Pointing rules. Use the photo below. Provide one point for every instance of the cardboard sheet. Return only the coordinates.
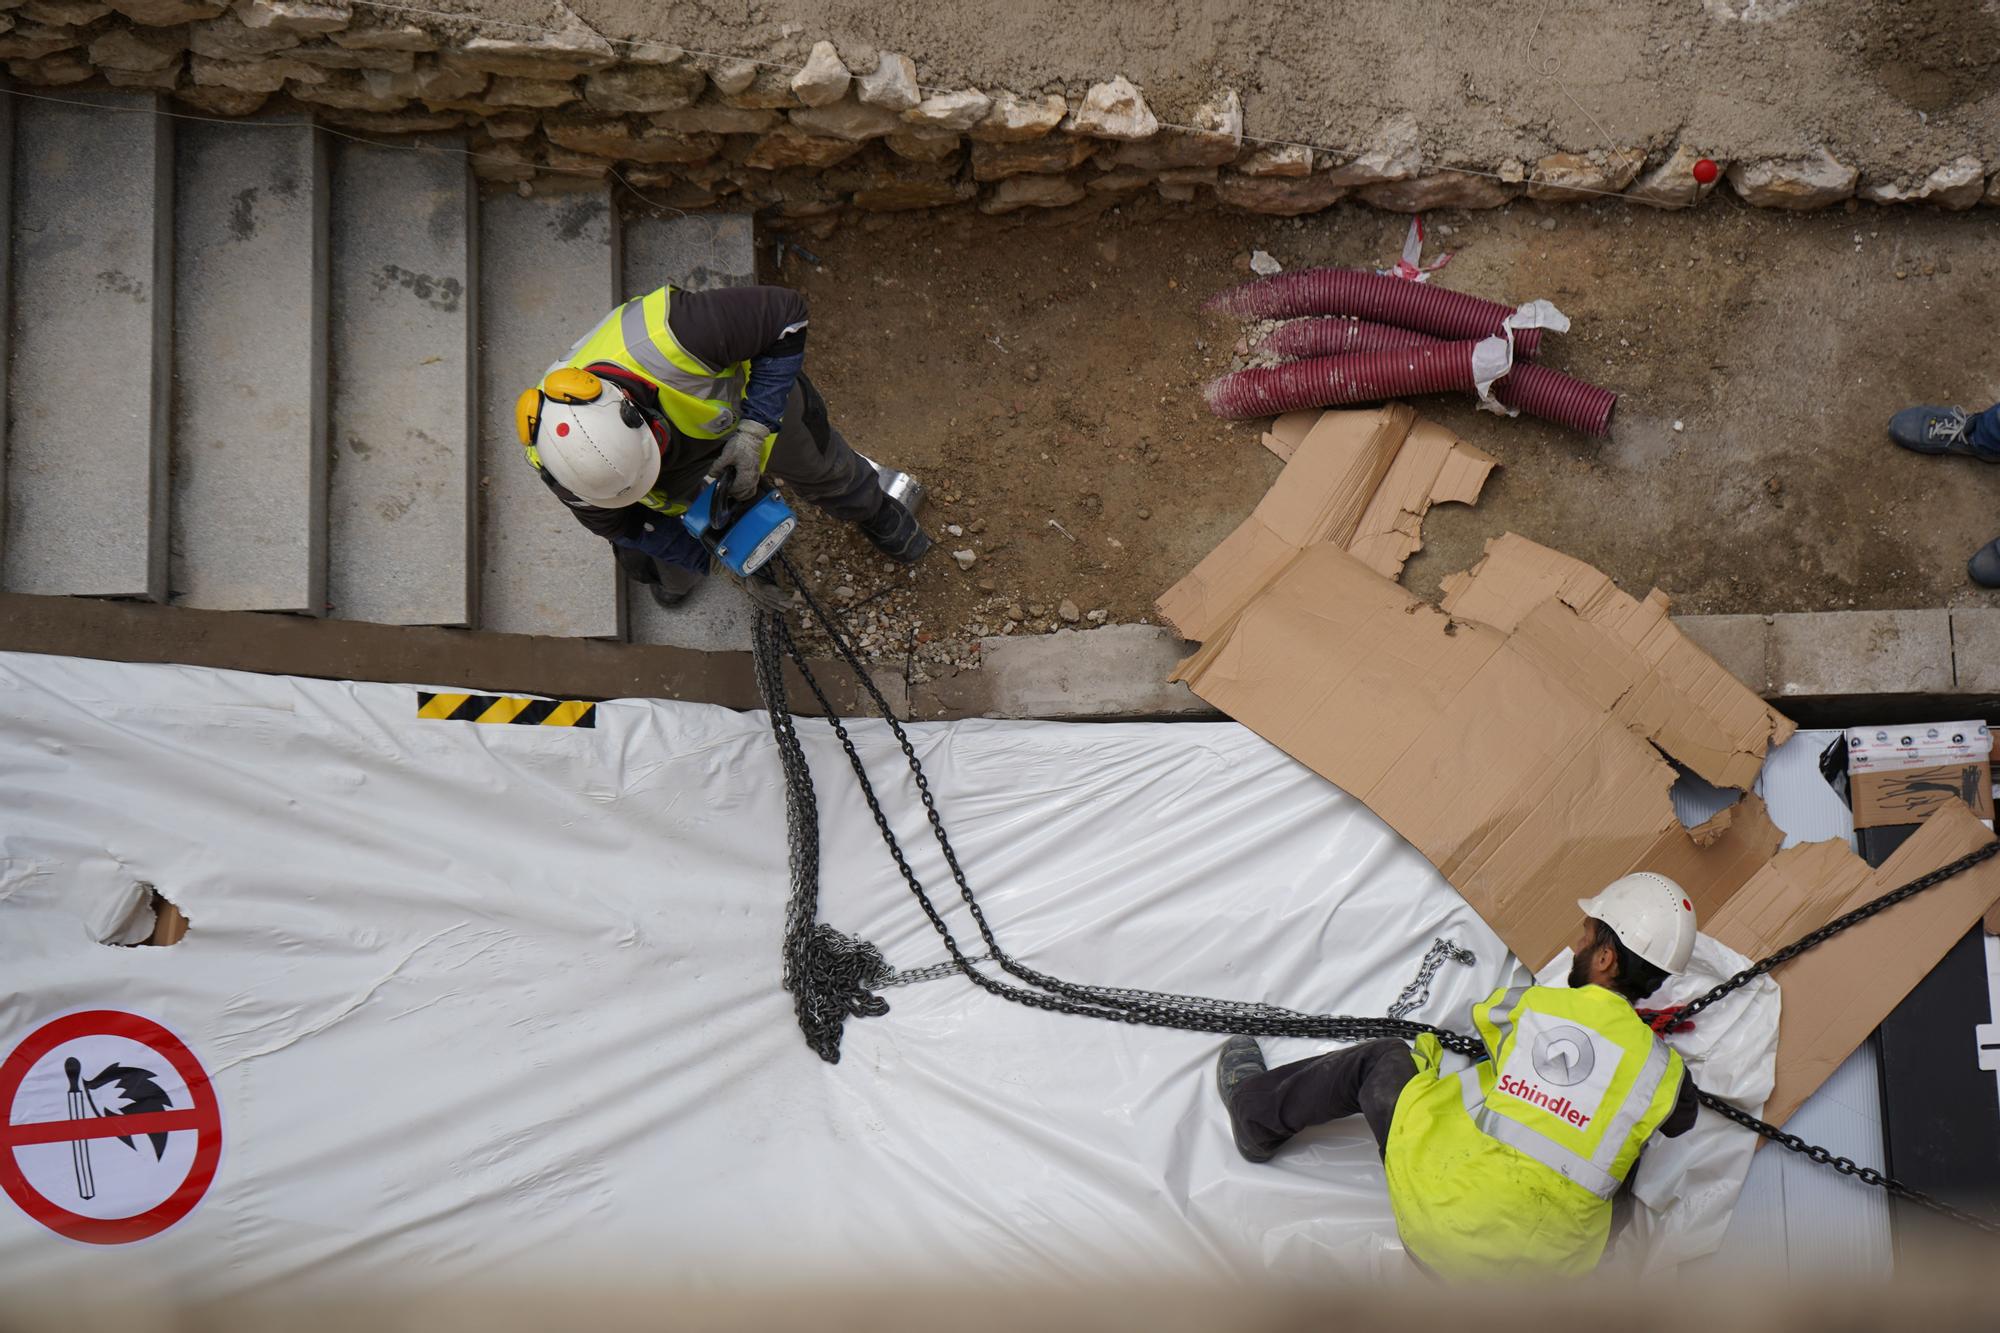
(1359, 481)
(1835, 995)
(1518, 734)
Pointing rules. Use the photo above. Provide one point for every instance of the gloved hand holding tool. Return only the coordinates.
(742, 459)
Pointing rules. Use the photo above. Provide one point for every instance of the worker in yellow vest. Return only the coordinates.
(675, 388)
(1509, 1166)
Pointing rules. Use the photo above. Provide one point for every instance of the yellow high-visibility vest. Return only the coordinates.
(1509, 1166)
(701, 400)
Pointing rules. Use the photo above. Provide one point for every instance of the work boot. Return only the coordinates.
(1240, 1059)
(1935, 430)
(672, 584)
(895, 533)
(1984, 567)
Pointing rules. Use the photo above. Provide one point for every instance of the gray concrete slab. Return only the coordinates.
(249, 438)
(1742, 644)
(1975, 650)
(548, 271)
(698, 252)
(1860, 653)
(93, 288)
(7, 105)
(404, 433)
(1119, 671)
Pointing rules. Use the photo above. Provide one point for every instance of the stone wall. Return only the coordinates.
(815, 143)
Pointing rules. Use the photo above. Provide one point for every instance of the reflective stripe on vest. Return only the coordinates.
(1524, 1140)
(699, 401)
(1518, 1119)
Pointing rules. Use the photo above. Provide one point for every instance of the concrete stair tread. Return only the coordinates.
(548, 272)
(249, 426)
(404, 434)
(92, 285)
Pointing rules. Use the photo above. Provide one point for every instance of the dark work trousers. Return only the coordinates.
(1272, 1106)
(813, 460)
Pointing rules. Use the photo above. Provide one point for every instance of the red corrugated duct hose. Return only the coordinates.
(1336, 337)
(1395, 301)
(1439, 367)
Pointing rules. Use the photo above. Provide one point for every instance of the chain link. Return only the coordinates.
(1418, 991)
(832, 975)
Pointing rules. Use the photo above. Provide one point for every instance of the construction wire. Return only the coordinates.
(1336, 150)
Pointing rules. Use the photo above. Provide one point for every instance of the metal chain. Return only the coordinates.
(1867, 1175)
(832, 975)
(1418, 991)
(1984, 853)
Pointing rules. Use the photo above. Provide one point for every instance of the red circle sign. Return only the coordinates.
(156, 1118)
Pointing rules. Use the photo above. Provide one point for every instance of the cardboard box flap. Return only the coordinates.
(1289, 431)
(1673, 692)
(1432, 467)
(1360, 480)
(1837, 993)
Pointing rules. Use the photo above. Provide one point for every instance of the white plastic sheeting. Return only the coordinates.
(483, 999)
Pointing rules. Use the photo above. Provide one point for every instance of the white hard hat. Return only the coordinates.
(1652, 915)
(601, 450)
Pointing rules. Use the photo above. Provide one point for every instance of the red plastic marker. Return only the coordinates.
(1705, 171)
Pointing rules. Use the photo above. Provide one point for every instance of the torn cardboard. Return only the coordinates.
(1838, 992)
(1506, 736)
(1361, 481)
(1517, 734)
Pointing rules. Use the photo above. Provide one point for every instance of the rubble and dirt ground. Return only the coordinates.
(1044, 380)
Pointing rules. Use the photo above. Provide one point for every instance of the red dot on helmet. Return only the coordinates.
(1686, 906)
(562, 428)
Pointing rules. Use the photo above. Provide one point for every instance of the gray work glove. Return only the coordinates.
(744, 452)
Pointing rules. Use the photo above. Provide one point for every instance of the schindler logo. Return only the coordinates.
(1564, 1055)
(1539, 1096)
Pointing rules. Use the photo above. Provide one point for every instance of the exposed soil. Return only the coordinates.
(1893, 86)
(1044, 380)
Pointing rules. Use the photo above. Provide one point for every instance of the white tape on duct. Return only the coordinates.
(483, 996)
(1493, 357)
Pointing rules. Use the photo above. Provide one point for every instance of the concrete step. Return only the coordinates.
(696, 252)
(7, 105)
(548, 270)
(405, 442)
(249, 357)
(92, 336)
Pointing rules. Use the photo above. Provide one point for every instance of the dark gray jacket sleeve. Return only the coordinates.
(731, 324)
(1681, 1119)
(765, 326)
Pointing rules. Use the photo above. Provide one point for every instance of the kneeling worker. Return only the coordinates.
(1510, 1166)
(676, 387)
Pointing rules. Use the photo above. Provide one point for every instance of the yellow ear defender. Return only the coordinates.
(567, 385)
(570, 385)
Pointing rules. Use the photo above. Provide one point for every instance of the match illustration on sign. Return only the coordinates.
(72, 1092)
(142, 1093)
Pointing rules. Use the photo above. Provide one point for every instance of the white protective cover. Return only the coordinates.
(486, 999)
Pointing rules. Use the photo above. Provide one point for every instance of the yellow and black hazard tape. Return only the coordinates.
(506, 708)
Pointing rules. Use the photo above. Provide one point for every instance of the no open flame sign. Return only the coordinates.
(112, 1132)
